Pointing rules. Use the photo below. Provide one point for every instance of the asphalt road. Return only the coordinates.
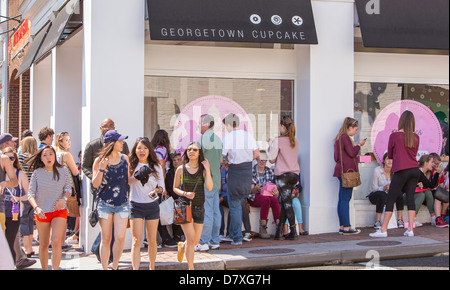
(439, 262)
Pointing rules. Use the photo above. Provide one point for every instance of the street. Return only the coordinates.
(438, 262)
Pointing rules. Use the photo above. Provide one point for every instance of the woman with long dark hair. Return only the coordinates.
(146, 181)
(402, 149)
(345, 153)
(190, 182)
(50, 186)
(161, 145)
(110, 176)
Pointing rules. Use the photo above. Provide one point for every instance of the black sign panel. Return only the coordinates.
(57, 29)
(272, 21)
(33, 50)
(421, 24)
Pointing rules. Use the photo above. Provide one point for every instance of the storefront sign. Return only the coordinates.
(427, 127)
(281, 21)
(20, 37)
(421, 24)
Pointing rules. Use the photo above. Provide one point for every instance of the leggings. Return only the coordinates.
(403, 181)
(286, 183)
(378, 198)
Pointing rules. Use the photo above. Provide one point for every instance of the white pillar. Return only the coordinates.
(325, 97)
(40, 96)
(113, 68)
(66, 91)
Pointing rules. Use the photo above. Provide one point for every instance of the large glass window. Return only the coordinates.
(371, 98)
(175, 104)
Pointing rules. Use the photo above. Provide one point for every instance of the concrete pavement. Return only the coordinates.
(311, 250)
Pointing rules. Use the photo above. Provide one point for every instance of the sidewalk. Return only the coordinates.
(311, 250)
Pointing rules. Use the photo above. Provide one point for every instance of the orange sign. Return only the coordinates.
(20, 37)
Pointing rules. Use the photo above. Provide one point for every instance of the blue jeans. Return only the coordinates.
(235, 222)
(345, 195)
(213, 218)
(298, 210)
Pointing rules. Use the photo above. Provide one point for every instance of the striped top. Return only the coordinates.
(188, 182)
(22, 158)
(47, 190)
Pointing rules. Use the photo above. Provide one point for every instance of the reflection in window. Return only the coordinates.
(264, 101)
(371, 98)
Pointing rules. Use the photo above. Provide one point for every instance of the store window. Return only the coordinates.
(175, 104)
(372, 98)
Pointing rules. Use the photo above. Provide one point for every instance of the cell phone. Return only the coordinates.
(153, 196)
(365, 139)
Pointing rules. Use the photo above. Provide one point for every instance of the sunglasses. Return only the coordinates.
(192, 150)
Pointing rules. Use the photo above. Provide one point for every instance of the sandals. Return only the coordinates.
(180, 255)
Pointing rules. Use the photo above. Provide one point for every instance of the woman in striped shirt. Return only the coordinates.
(50, 186)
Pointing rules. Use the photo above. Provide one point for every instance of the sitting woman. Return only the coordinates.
(425, 185)
(381, 181)
(263, 178)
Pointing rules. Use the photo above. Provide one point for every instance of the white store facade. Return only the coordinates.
(110, 68)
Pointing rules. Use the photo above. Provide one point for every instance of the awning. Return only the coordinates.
(30, 56)
(56, 31)
(417, 24)
(280, 21)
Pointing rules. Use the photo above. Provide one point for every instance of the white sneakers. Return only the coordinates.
(380, 234)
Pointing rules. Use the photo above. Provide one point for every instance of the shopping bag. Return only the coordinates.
(166, 212)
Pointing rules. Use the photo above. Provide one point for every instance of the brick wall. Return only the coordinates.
(18, 90)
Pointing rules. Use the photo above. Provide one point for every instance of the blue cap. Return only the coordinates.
(113, 135)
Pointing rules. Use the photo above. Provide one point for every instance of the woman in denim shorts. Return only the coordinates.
(146, 182)
(111, 178)
(190, 181)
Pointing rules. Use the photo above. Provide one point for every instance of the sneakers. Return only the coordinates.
(379, 234)
(247, 237)
(225, 239)
(441, 223)
(409, 233)
(400, 224)
(377, 225)
(349, 232)
(201, 248)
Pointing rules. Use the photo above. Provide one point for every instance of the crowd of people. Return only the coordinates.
(210, 175)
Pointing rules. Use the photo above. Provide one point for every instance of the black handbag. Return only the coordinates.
(441, 194)
(93, 216)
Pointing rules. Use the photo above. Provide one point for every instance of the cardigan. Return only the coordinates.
(349, 153)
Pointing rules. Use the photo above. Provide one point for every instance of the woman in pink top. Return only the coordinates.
(402, 149)
(283, 152)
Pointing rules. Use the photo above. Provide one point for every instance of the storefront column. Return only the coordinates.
(324, 89)
(66, 91)
(113, 79)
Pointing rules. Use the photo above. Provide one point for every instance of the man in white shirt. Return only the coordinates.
(239, 150)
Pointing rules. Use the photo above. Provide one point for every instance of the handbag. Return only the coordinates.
(166, 211)
(441, 194)
(351, 178)
(93, 216)
(182, 208)
(268, 189)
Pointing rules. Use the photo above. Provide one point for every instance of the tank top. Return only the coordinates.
(15, 191)
(59, 158)
(188, 182)
(114, 188)
(2, 196)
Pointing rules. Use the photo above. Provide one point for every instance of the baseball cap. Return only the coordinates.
(7, 137)
(113, 135)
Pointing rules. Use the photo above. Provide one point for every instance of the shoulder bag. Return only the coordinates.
(351, 178)
(182, 208)
(441, 194)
